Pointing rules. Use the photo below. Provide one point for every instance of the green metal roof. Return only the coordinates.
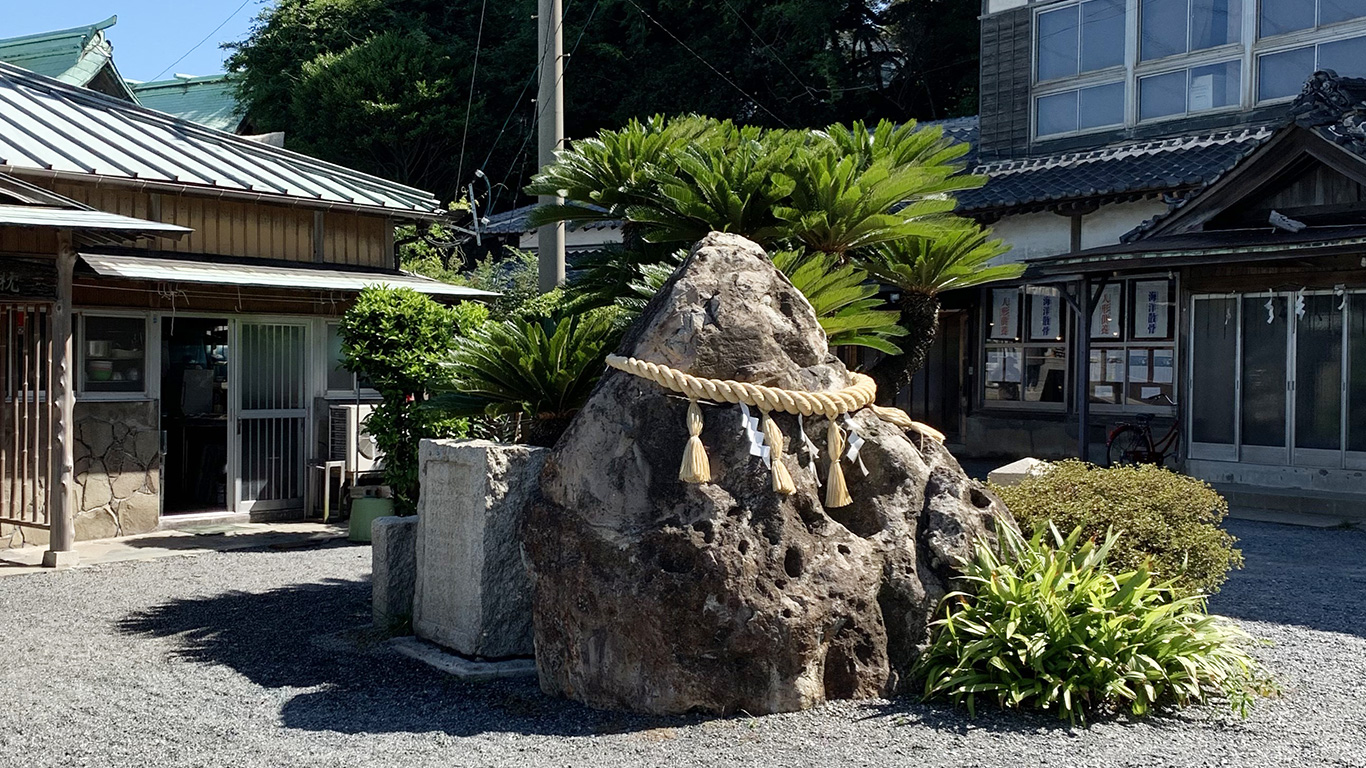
(79, 56)
(210, 100)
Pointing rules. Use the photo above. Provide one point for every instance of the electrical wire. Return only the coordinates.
(201, 42)
(708, 64)
(781, 61)
(469, 103)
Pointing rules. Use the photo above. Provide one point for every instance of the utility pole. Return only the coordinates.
(550, 107)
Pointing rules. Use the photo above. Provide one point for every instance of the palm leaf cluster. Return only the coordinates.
(1049, 627)
(879, 198)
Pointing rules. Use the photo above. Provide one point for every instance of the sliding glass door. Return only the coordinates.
(1279, 379)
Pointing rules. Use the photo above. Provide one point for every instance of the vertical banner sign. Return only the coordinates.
(1105, 320)
(1043, 315)
(1005, 313)
(1150, 312)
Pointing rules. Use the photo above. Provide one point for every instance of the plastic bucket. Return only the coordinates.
(364, 513)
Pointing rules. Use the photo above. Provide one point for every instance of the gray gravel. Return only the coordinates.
(245, 659)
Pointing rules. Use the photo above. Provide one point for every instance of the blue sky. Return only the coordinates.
(150, 34)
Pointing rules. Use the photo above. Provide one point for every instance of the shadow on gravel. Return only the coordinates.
(286, 638)
(1307, 577)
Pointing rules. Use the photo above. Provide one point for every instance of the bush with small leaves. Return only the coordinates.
(1170, 522)
(1047, 627)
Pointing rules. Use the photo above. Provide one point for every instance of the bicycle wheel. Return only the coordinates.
(1128, 446)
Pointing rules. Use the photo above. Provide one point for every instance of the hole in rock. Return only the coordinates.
(780, 584)
(787, 613)
(844, 549)
(676, 559)
(743, 546)
(705, 528)
(979, 497)
(860, 519)
(794, 562)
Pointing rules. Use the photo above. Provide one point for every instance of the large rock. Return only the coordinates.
(657, 596)
(473, 594)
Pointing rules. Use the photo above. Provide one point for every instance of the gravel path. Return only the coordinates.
(232, 660)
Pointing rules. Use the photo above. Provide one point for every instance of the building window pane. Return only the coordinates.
(1281, 16)
(1058, 42)
(1283, 74)
(1045, 374)
(1003, 374)
(1318, 374)
(115, 354)
(1333, 11)
(338, 378)
(1162, 95)
(1101, 105)
(1215, 86)
(1346, 57)
(1057, 113)
(1214, 360)
(1264, 370)
(1356, 374)
(1162, 28)
(1102, 34)
(1215, 22)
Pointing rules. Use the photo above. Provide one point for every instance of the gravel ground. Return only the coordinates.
(245, 659)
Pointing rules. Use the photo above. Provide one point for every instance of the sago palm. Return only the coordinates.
(923, 268)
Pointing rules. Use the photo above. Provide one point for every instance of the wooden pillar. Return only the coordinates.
(61, 486)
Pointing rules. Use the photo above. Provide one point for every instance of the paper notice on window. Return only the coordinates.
(1138, 366)
(1149, 393)
(1163, 372)
(1097, 366)
(1012, 365)
(1202, 93)
(1114, 365)
(1104, 392)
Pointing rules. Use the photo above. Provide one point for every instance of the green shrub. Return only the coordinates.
(1049, 628)
(1169, 522)
(399, 340)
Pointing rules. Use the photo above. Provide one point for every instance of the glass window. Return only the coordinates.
(1215, 22)
(1026, 354)
(1346, 57)
(1333, 11)
(1133, 358)
(1214, 360)
(1057, 113)
(338, 378)
(1102, 34)
(1281, 16)
(1080, 38)
(1283, 74)
(1058, 43)
(1101, 105)
(114, 354)
(1266, 328)
(1318, 374)
(1162, 95)
(1356, 373)
(1169, 27)
(1162, 28)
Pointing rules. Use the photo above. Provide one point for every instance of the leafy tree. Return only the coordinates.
(400, 340)
(394, 76)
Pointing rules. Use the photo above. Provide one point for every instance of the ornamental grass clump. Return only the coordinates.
(1048, 628)
(1170, 523)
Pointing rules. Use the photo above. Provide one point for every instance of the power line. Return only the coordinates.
(201, 42)
(783, 62)
(708, 64)
(469, 104)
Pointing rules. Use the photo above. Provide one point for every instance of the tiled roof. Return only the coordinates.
(514, 222)
(1131, 168)
(48, 128)
(74, 56)
(209, 100)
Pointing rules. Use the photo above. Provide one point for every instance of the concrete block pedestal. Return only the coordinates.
(473, 594)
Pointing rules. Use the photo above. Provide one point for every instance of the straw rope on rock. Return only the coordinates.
(831, 405)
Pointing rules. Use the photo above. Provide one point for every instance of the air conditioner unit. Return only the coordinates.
(348, 441)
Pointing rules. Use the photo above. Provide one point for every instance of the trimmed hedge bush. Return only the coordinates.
(1169, 522)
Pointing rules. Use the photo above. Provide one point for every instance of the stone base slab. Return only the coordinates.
(463, 669)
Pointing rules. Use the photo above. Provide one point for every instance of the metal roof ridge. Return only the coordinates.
(56, 34)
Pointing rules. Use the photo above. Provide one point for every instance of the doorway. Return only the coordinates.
(195, 414)
(935, 395)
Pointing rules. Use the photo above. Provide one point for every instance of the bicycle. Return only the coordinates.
(1132, 443)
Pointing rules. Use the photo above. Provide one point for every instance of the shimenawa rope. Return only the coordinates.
(697, 469)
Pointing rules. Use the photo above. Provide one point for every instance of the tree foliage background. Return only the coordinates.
(384, 85)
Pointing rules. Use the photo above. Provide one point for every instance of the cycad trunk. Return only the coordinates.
(920, 316)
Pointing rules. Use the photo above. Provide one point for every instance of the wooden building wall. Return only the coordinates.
(248, 230)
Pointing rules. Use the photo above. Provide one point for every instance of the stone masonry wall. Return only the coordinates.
(118, 468)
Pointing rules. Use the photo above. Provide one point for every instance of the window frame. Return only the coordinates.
(1187, 67)
(1127, 341)
(1305, 38)
(151, 357)
(1189, 53)
(356, 392)
(1023, 344)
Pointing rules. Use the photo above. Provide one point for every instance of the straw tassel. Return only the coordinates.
(782, 479)
(836, 493)
(696, 468)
